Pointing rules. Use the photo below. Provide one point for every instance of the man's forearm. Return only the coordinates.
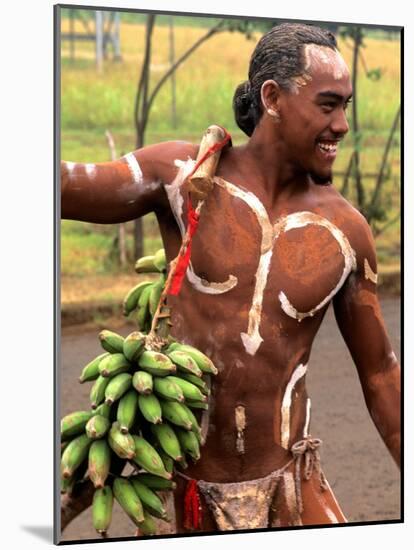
(384, 405)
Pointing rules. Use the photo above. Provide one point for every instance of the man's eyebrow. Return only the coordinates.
(334, 95)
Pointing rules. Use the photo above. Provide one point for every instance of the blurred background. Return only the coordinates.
(199, 61)
(130, 79)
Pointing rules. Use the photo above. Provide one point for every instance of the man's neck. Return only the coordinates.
(266, 160)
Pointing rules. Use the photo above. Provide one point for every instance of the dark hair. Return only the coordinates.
(278, 56)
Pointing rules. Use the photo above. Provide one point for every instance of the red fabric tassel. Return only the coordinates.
(192, 506)
(193, 219)
(184, 260)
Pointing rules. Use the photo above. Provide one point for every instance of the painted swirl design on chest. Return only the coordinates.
(269, 234)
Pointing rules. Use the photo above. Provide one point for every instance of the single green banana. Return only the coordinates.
(142, 382)
(156, 363)
(127, 409)
(189, 390)
(145, 265)
(127, 497)
(141, 318)
(148, 527)
(184, 362)
(145, 295)
(203, 362)
(99, 462)
(131, 299)
(114, 364)
(150, 408)
(122, 444)
(97, 394)
(74, 454)
(103, 410)
(134, 345)
(199, 382)
(117, 386)
(167, 460)
(74, 424)
(102, 509)
(196, 427)
(111, 341)
(168, 389)
(154, 298)
(67, 484)
(189, 443)
(91, 370)
(97, 426)
(150, 501)
(168, 440)
(160, 260)
(148, 458)
(156, 483)
(196, 404)
(176, 414)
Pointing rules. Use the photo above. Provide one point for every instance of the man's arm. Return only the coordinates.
(121, 190)
(359, 318)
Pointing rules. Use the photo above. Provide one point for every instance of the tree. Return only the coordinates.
(144, 99)
(370, 204)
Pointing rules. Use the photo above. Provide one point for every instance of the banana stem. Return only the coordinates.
(163, 312)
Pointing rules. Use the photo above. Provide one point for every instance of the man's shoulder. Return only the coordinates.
(165, 158)
(169, 151)
(353, 225)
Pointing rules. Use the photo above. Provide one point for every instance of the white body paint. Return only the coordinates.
(301, 219)
(177, 206)
(331, 515)
(70, 166)
(134, 168)
(331, 61)
(297, 374)
(252, 338)
(369, 273)
(307, 421)
(90, 170)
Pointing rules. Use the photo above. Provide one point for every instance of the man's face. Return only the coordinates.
(313, 118)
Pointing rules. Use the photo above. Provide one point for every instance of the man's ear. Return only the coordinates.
(270, 93)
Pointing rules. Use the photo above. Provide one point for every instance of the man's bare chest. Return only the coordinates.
(290, 262)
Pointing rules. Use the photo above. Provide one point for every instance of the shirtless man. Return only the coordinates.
(276, 243)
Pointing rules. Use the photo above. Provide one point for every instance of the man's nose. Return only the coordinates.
(339, 124)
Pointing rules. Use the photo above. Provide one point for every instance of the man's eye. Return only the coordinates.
(327, 107)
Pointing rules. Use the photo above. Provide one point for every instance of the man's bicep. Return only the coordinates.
(359, 317)
(117, 191)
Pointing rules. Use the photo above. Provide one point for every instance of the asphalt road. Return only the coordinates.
(360, 470)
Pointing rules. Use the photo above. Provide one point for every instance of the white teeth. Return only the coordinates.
(328, 147)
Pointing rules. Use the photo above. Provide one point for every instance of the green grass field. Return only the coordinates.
(92, 103)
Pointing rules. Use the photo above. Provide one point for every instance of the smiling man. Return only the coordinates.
(276, 243)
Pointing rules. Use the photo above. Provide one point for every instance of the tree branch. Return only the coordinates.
(380, 179)
(344, 190)
(143, 78)
(211, 32)
(378, 232)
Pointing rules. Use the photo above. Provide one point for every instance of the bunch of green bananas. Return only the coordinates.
(143, 411)
(142, 300)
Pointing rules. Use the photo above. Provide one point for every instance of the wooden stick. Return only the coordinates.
(201, 182)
